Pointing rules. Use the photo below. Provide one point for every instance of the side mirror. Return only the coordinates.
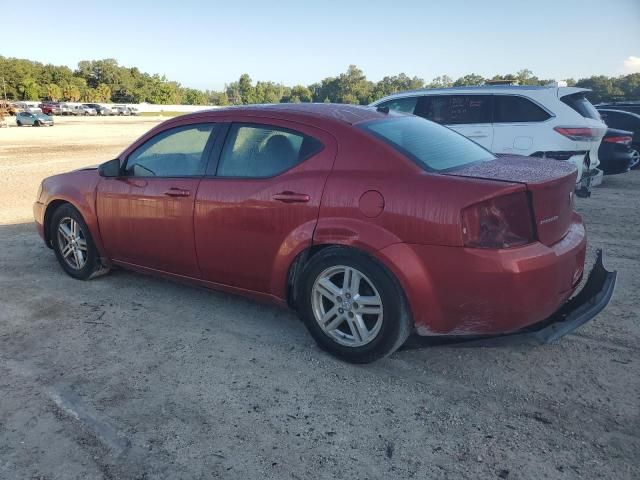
(110, 168)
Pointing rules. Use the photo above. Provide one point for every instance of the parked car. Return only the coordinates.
(50, 108)
(33, 119)
(29, 107)
(370, 224)
(66, 109)
(624, 121)
(542, 121)
(100, 110)
(615, 152)
(121, 110)
(134, 111)
(633, 107)
(83, 110)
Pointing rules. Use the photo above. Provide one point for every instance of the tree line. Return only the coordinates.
(105, 81)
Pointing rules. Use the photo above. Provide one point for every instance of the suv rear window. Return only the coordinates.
(432, 146)
(514, 109)
(580, 104)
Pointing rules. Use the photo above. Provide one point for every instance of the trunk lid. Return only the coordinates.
(550, 185)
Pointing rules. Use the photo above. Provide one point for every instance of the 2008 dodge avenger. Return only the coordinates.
(371, 224)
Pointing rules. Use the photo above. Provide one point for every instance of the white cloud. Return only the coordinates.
(632, 64)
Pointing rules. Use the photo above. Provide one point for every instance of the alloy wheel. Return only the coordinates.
(73, 243)
(635, 157)
(347, 306)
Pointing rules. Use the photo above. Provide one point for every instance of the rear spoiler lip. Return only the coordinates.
(564, 91)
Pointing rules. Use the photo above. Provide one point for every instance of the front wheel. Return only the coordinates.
(38, 123)
(353, 307)
(73, 245)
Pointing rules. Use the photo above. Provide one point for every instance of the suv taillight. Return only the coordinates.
(582, 134)
(624, 139)
(500, 222)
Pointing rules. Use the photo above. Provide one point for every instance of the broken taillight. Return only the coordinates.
(500, 222)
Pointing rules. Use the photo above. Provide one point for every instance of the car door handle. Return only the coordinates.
(291, 197)
(177, 192)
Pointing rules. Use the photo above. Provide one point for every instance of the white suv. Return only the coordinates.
(553, 121)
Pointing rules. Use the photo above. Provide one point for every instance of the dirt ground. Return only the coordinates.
(132, 377)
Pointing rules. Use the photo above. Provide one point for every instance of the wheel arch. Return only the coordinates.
(48, 215)
(301, 260)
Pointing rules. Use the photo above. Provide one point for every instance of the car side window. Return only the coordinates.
(177, 152)
(455, 109)
(260, 151)
(514, 109)
(406, 104)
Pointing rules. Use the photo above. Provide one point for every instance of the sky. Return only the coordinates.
(206, 44)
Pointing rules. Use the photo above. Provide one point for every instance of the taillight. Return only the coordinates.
(624, 139)
(500, 222)
(583, 134)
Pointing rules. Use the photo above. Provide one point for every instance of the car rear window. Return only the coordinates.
(515, 109)
(432, 146)
(579, 103)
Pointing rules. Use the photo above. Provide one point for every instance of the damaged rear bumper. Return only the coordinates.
(589, 302)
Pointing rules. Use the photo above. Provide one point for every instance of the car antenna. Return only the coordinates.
(382, 109)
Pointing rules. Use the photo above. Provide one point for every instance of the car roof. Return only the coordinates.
(485, 89)
(633, 114)
(339, 113)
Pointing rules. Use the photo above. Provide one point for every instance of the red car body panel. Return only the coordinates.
(131, 211)
(236, 235)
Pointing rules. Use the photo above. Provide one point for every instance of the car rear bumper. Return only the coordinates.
(589, 302)
(466, 291)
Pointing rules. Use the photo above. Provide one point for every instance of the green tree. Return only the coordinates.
(54, 92)
(603, 88)
(29, 89)
(443, 81)
(470, 80)
(299, 94)
(103, 93)
(393, 84)
(245, 89)
(191, 96)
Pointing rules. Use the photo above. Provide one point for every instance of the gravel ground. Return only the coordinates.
(133, 377)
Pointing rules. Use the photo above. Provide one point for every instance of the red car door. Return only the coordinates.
(146, 215)
(261, 207)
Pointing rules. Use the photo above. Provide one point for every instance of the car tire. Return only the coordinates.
(78, 262)
(635, 154)
(353, 331)
(19, 123)
(37, 123)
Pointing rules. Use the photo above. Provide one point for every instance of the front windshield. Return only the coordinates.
(432, 146)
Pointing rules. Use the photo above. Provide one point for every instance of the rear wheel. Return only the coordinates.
(635, 156)
(352, 306)
(19, 123)
(38, 123)
(72, 243)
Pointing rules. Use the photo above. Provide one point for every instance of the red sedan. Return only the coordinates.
(371, 224)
